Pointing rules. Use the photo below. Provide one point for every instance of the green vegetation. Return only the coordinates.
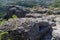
(14, 16)
(56, 4)
(26, 3)
(2, 10)
(1, 22)
(2, 14)
(3, 34)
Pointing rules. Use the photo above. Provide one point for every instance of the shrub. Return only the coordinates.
(14, 16)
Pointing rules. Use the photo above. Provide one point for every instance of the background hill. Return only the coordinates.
(56, 3)
(27, 3)
(4, 2)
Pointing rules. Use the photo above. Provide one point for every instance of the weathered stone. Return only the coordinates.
(15, 10)
(26, 29)
(56, 11)
(34, 15)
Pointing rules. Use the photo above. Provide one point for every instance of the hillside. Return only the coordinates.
(56, 4)
(29, 20)
(4, 2)
(26, 3)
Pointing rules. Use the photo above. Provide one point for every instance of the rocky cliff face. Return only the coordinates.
(4, 3)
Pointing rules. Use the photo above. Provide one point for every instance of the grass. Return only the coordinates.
(13, 16)
(2, 33)
(1, 22)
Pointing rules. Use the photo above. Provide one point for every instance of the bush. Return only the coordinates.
(3, 35)
(56, 4)
(1, 22)
(14, 16)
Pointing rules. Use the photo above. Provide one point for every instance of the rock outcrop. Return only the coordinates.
(16, 10)
(26, 28)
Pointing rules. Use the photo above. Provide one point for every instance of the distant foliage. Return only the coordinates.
(2, 10)
(56, 3)
(26, 3)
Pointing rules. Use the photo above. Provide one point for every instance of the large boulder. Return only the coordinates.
(15, 10)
